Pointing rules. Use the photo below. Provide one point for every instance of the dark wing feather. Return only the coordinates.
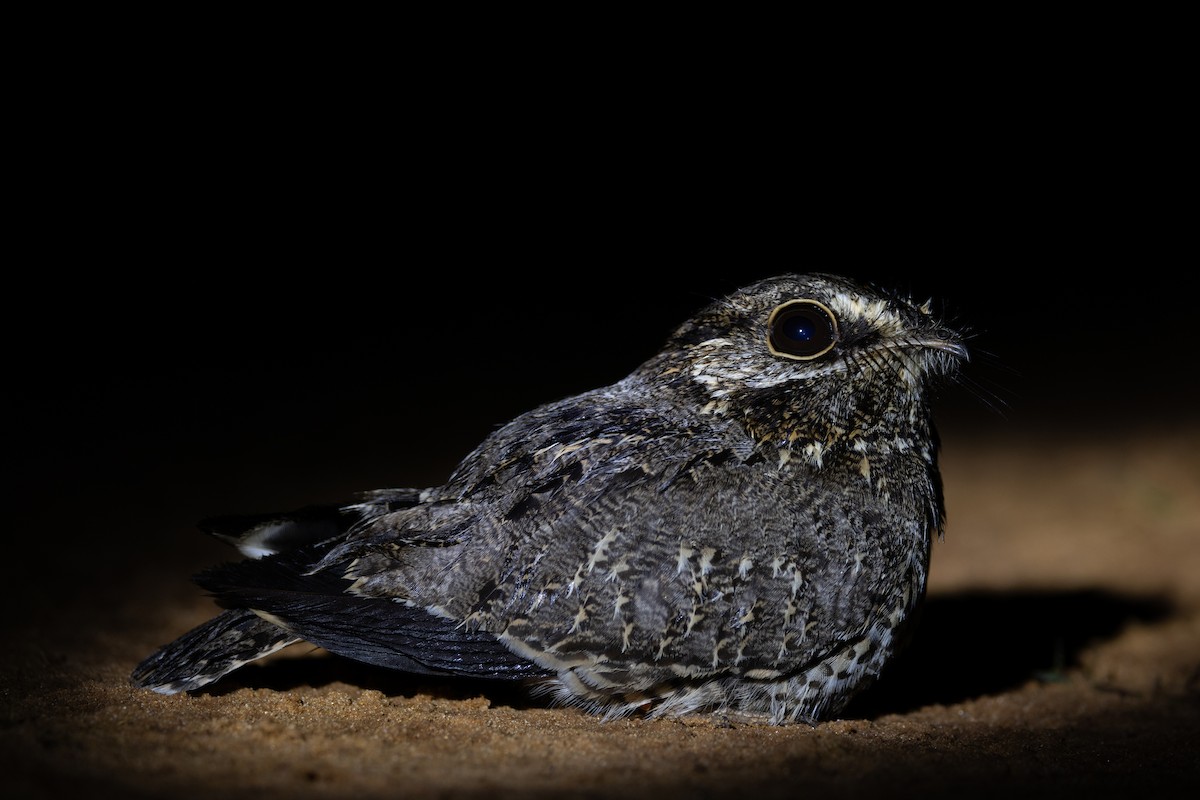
(314, 607)
(208, 651)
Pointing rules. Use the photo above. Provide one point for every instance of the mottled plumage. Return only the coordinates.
(742, 525)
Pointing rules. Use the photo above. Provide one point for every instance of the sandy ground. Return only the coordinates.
(1059, 656)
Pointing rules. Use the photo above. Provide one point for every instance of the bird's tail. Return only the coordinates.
(205, 653)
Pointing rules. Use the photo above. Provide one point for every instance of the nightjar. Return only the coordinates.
(742, 525)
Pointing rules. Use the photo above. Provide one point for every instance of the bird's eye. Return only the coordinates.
(801, 329)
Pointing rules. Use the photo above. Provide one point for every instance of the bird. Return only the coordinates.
(742, 527)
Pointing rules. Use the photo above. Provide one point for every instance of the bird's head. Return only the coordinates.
(813, 360)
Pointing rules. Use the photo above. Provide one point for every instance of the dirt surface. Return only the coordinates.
(1059, 655)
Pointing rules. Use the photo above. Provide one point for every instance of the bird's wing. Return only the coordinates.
(209, 651)
(627, 535)
(316, 607)
(389, 592)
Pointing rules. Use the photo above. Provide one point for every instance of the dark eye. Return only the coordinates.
(802, 329)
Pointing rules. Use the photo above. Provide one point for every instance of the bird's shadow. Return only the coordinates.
(972, 644)
(966, 645)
